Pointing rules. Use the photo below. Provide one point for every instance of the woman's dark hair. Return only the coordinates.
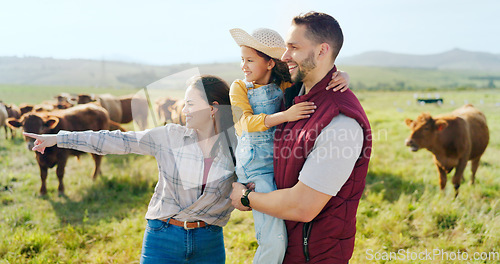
(279, 72)
(216, 90)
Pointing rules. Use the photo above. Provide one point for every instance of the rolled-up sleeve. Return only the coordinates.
(332, 159)
(147, 142)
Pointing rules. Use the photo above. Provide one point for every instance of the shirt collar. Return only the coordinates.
(302, 90)
(190, 133)
(316, 88)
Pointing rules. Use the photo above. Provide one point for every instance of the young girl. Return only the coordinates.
(256, 103)
(191, 202)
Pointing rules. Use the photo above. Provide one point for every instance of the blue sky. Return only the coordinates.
(170, 32)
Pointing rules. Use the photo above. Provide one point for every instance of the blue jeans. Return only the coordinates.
(166, 243)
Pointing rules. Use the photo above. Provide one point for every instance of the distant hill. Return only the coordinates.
(370, 70)
(455, 59)
(94, 73)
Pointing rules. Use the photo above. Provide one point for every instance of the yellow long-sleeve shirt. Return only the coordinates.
(244, 119)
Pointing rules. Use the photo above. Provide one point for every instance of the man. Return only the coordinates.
(320, 162)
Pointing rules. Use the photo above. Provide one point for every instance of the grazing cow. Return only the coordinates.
(134, 108)
(14, 112)
(453, 138)
(3, 117)
(163, 110)
(107, 101)
(177, 116)
(78, 118)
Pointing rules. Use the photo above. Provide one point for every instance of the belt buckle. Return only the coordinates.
(189, 228)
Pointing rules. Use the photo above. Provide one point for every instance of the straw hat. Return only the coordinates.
(264, 40)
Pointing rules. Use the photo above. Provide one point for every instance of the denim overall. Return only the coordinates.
(254, 163)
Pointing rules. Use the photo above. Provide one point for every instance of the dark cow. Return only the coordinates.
(453, 138)
(78, 118)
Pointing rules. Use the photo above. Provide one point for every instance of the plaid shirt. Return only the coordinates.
(178, 192)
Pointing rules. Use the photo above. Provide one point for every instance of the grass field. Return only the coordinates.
(402, 209)
(399, 79)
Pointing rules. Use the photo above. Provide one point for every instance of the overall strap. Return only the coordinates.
(249, 85)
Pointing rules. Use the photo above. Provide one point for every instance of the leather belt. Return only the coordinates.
(187, 225)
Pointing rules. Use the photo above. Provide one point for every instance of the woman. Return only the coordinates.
(191, 202)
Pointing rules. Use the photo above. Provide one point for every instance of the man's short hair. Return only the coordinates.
(322, 28)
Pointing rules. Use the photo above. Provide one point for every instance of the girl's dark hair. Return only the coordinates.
(279, 72)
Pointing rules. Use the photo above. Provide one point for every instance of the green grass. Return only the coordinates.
(17, 94)
(398, 79)
(402, 207)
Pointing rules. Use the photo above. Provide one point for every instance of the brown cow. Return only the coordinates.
(78, 118)
(453, 138)
(14, 112)
(163, 110)
(107, 101)
(134, 108)
(177, 116)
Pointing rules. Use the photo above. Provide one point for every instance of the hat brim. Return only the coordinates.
(242, 38)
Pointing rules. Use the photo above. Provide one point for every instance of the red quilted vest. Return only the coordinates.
(331, 238)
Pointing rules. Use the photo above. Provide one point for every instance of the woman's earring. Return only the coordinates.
(215, 124)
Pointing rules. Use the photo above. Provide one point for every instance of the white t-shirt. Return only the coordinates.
(335, 151)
